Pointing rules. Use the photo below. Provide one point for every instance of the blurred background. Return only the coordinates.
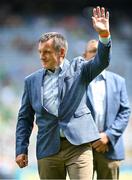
(21, 24)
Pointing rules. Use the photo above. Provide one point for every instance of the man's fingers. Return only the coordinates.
(102, 148)
(107, 15)
(94, 12)
(103, 12)
(22, 160)
(93, 20)
(98, 12)
(96, 144)
(22, 163)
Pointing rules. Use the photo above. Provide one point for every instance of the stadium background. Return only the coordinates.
(21, 24)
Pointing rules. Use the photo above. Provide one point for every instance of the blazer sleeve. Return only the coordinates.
(94, 67)
(119, 124)
(24, 123)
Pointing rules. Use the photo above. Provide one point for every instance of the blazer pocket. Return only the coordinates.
(81, 112)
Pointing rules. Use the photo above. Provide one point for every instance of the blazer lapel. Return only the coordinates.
(90, 103)
(39, 85)
(109, 94)
(61, 79)
(89, 93)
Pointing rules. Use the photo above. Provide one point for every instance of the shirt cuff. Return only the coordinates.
(105, 40)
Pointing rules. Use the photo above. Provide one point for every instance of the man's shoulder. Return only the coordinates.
(77, 60)
(114, 76)
(77, 63)
(34, 74)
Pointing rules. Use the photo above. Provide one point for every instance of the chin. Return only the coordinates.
(44, 66)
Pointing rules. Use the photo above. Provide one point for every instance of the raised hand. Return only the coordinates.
(101, 20)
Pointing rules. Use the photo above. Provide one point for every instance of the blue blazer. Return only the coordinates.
(117, 114)
(74, 117)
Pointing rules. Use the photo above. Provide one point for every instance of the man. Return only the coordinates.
(56, 96)
(108, 100)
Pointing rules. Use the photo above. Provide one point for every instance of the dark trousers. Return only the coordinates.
(77, 161)
(105, 168)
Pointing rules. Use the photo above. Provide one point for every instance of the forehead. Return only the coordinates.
(92, 45)
(46, 44)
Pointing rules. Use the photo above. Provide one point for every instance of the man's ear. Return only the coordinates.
(62, 52)
(84, 55)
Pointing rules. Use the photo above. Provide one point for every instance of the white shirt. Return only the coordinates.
(98, 94)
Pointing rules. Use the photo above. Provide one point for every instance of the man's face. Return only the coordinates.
(90, 50)
(49, 57)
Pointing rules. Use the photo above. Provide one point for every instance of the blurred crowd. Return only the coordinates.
(19, 57)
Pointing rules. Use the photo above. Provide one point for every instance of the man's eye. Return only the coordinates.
(47, 52)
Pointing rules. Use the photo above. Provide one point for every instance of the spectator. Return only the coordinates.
(108, 101)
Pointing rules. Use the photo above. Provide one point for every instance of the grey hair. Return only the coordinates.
(58, 40)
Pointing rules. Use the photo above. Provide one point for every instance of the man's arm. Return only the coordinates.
(121, 120)
(24, 129)
(94, 67)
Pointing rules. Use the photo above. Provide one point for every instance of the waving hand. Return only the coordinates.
(101, 20)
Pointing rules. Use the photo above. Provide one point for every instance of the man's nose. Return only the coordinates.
(42, 56)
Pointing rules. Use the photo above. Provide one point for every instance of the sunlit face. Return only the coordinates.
(50, 59)
(90, 50)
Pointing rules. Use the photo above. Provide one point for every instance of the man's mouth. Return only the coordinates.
(44, 61)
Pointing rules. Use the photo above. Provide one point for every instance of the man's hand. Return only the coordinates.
(101, 21)
(22, 160)
(101, 145)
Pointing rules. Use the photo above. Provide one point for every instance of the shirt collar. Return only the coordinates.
(103, 73)
(101, 76)
(62, 65)
(57, 70)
